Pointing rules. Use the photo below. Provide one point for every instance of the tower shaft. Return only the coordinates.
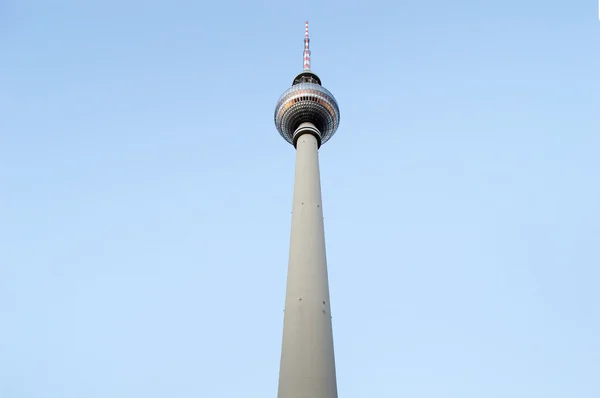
(307, 367)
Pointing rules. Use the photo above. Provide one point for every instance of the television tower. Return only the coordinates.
(307, 116)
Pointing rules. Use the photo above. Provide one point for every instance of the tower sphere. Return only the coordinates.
(307, 101)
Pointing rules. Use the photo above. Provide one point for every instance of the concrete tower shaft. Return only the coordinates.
(307, 367)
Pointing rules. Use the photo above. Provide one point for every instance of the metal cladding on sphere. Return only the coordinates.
(307, 101)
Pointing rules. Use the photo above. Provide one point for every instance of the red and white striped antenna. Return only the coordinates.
(306, 49)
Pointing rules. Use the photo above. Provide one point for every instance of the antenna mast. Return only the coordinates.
(306, 49)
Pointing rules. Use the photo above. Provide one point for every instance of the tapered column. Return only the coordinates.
(307, 368)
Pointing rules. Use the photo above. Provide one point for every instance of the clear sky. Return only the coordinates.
(145, 196)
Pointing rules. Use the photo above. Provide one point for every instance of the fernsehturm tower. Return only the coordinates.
(306, 116)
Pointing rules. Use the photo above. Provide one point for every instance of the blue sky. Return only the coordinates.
(146, 196)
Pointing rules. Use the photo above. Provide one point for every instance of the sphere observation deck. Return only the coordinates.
(307, 101)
